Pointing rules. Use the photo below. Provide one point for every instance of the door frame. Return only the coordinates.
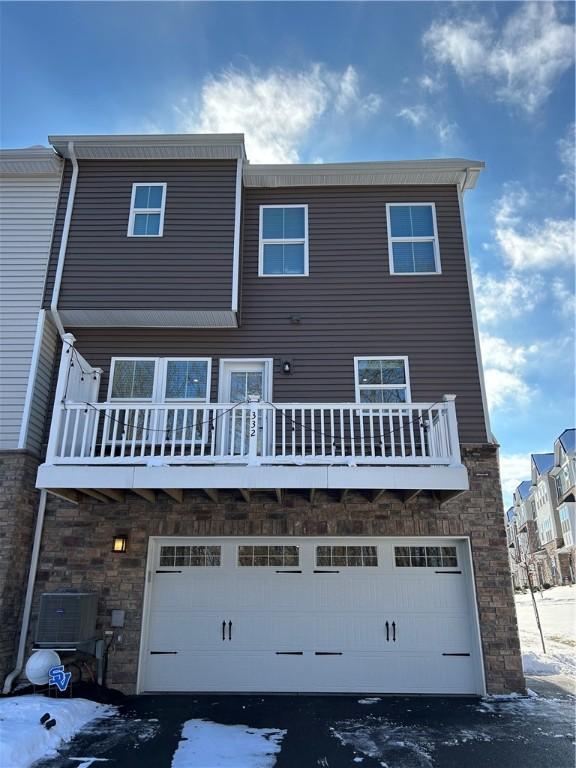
(467, 567)
(268, 373)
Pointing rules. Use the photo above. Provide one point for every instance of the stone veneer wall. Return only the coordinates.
(76, 549)
(18, 509)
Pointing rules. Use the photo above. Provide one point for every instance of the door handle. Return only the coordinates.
(229, 630)
(387, 632)
(223, 630)
(394, 631)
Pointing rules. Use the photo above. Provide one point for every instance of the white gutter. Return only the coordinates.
(9, 681)
(236, 254)
(64, 241)
(489, 433)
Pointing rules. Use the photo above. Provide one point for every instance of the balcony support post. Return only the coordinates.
(452, 430)
(68, 341)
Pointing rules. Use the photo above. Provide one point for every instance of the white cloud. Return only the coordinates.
(566, 151)
(275, 110)
(518, 63)
(501, 299)
(506, 389)
(419, 114)
(430, 84)
(503, 370)
(414, 115)
(499, 353)
(514, 468)
(565, 298)
(529, 246)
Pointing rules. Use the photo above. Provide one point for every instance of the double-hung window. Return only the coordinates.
(412, 238)
(283, 248)
(147, 210)
(382, 380)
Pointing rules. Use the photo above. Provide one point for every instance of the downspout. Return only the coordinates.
(9, 681)
(64, 241)
(461, 187)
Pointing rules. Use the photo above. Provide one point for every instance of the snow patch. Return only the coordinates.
(369, 700)
(557, 610)
(213, 745)
(23, 740)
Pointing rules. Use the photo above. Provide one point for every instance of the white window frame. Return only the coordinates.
(281, 241)
(154, 396)
(159, 387)
(358, 386)
(434, 240)
(134, 211)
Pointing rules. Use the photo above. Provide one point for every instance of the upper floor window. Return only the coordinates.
(382, 380)
(283, 247)
(412, 238)
(147, 210)
(545, 530)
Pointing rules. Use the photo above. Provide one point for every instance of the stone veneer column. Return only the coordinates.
(76, 550)
(18, 509)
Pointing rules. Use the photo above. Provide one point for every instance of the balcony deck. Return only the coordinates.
(104, 449)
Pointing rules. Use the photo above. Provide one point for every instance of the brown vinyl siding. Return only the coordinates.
(190, 267)
(350, 306)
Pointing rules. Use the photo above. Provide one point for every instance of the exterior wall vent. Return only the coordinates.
(66, 619)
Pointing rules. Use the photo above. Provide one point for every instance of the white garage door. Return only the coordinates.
(310, 615)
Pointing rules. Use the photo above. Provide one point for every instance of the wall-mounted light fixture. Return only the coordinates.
(119, 543)
(287, 367)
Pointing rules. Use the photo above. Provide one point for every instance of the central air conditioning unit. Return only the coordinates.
(67, 620)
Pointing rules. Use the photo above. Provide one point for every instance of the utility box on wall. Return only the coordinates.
(66, 619)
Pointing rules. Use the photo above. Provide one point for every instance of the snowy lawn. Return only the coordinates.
(557, 609)
(212, 745)
(23, 740)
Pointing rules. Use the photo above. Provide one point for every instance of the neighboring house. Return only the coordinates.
(545, 501)
(564, 473)
(270, 400)
(527, 542)
(540, 526)
(514, 552)
(29, 189)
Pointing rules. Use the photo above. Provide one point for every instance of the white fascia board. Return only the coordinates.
(224, 146)
(443, 171)
(230, 476)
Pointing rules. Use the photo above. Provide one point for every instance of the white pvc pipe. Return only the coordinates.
(8, 682)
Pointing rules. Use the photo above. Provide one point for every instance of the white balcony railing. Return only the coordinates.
(87, 433)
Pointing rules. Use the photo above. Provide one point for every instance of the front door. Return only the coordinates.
(242, 381)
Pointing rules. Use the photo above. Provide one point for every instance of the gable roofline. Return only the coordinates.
(164, 146)
(30, 161)
(542, 462)
(523, 490)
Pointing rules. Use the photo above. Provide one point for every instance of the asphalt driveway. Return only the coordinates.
(334, 731)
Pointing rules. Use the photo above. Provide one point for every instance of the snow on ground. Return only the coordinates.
(212, 745)
(557, 609)
(23, 740)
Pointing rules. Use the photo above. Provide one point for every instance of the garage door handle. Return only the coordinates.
(229, 630)
(223, 630)
(394, 631)
(387, 632)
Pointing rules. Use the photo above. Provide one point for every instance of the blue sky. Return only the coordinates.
(354, 81)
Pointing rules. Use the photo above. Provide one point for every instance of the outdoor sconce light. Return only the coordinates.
(119, 544)
(286, 367)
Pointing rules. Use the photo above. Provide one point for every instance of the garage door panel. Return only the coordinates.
(378, 629)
